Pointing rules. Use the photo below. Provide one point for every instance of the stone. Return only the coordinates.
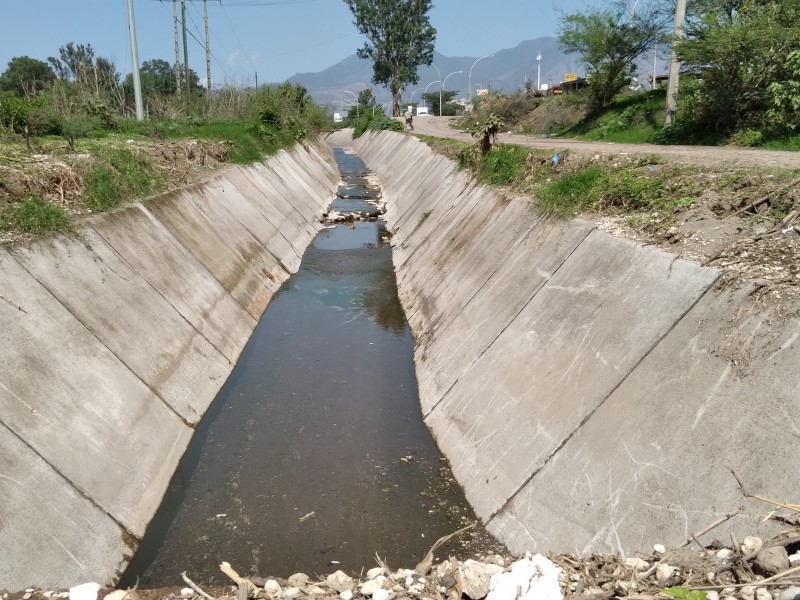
(346, 595)
(725, 553)
(748, 592)
(712, 595)
(417, 589)
(636, 564)
(314, 590)
(84, 591)
(763, 594)
(298, 580)
(381, 594)
(794, 559)
(659, 549)
(290, 592)
(533, 578)
(373, 573)
(751, 544)
(340, 581)
(272, 587)
(122, 594)
(790, 593)
(664, 573)
(368, 588)
(185, 593)
(447, 580)
(27, 596)
(772, 560)
(475, 577)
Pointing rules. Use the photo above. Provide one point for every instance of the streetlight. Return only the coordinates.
(354, 96)
(441, 88)
(470, 74)
(539, 71)
(426, 89)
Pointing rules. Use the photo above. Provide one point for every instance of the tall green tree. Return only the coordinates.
(400, 38)
(609, 40)
(448, 109)
(157, 76)
(26, 76)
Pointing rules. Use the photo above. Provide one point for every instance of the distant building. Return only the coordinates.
(482, 92)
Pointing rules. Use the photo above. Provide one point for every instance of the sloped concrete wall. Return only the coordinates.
(116, 338)
(591, 394)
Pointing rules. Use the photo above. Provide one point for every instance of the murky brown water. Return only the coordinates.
(297, 466)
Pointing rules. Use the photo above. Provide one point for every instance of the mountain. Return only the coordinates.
(507, 70)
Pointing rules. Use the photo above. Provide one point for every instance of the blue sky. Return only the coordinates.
(276, 38)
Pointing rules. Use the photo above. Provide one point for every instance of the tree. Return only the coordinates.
(400, 38)
(26, 76)
(78, 64)
(366, 98)
(157, 76)
(432, 99)
(609, 42)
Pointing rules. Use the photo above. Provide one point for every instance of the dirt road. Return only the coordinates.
(729, 156)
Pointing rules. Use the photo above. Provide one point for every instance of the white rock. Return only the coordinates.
(373, 585)
(659, 549)
(48, 594)
(790, 593)
(725, 553)
(664, 573)
(636, 564)
(373, 573)
(748, 592)
(27, 596)
(751, 544)
(729, 598)
(290, 592)
(381, 595)
(763, 594)
(340, 581)
(121, 594)
(84, 591)
(346, 595)
(272, 587)
(475, 577)
(712, 595)
(794, 559)
(534, 577)
(185, 592)
(314, 590)
(298, 580)
(417, 589)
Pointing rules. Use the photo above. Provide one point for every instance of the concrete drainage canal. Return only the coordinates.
(314, 455)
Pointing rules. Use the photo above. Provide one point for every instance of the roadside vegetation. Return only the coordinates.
(368, 115)
(69, 143)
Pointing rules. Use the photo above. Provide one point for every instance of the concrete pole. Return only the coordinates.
(137, 84)
(675, 65)
(539, 71)
(208, 52)
(177, 50)
(185, 47)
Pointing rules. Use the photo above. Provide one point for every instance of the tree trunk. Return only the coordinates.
(396, 104)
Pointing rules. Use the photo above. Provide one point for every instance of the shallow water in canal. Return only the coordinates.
(314, 455)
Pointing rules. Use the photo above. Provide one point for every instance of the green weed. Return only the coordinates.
(117, 176)
(33, 216)
(504, 165)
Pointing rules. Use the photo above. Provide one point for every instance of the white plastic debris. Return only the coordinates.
(84, 591)
(533, 578)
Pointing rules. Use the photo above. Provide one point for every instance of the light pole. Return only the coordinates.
(426, 89)
(356, 97)
(470, 74)
(539, 71)
(441, 89)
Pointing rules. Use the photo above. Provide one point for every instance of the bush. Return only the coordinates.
(747, 138)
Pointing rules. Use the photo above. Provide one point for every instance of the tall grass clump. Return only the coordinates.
(119, 175)
(33, 215)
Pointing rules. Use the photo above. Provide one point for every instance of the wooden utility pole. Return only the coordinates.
(177, 51)
(137, 85)
(185, 47)
(208, 52)
(675, 65)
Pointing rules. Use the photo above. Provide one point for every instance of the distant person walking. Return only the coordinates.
(409, 115)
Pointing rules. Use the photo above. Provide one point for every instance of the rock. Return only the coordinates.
(725, 553)
(272, 587)
(290, 592)
(373, 573)
(763, 594)
(298, 580)
(532, 578)
(417, 589)
(340, 581)
(794, 559)
(790, 593)
(27, 596)
(748, 592)
(772, 560)
(659, 549)
(751, 544)
(373, 585)
(475, 577)
(712, 595)
(84, 591)
(636, 564)
(346, 595)
(664, 573)
(447, 580)
(381, 594)
(122, 594)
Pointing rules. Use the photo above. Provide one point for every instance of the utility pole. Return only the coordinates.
(185, 47)
(256, 80)
(208, 52)
(137, 85)
(177, 51)
(539, 71)
(675, 65)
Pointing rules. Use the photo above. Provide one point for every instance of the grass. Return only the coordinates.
(504, 165)
(633, 119)
(33, 215)
(119, 175)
